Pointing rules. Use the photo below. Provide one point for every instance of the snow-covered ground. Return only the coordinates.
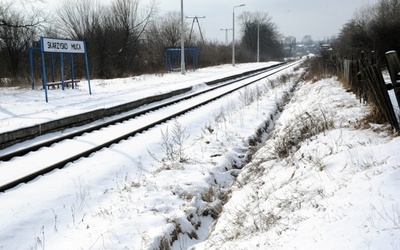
(321, 180)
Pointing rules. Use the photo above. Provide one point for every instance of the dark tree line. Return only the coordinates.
(123, 37)
(17, 28)
(260, 32)
(113, 32)
(373, 28)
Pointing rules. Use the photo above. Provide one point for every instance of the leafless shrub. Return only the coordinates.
(284, 78)
(18, 82)
(164, 244)
(175, 231)
(316, 70)
(82, 192)
(247, 96)
(209, 195)
(173, 145)
(307, 125)
(374, 116)
(186, 196)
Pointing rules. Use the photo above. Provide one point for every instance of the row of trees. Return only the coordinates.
(260, 25)
(16, 29)
(123, 38)
(373, 28)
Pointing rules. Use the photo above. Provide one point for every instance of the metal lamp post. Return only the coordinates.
(233, 34)
(258, 41)
(182, 42)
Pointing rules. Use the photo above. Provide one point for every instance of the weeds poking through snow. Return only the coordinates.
(73, 213)
(308, 125)
(173, 146)
(389, 216)
(55, 220)
(247, 96)
(82, 192)
(39, 242)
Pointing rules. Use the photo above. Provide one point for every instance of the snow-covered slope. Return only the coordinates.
(321, 181)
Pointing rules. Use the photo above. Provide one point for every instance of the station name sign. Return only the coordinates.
(62, 45)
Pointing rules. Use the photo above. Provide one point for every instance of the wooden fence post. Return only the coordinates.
(393, 65)
(376, 84)
(366, 80)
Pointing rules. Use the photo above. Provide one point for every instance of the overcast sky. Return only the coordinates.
(319, 18)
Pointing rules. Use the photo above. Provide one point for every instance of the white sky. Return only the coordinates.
(318, 18)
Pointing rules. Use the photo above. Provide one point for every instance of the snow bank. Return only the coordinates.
(333, 188)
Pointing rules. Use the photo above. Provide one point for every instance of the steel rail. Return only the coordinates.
(33, 147)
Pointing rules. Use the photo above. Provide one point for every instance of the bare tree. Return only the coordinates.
(307, 40)
(161, 34)
(270, 46)
(113, 32)
(170, 29)
(17, 30)
(374, 27)
(35, 18)
(79, 18)
(290, 43)
(127, 18)
(128, 24)
(166, 30)
(354, 37)
(385, 25)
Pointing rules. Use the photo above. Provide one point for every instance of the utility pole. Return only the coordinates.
(226, 35)
(183, 71)
(258, 41)
(196, 19)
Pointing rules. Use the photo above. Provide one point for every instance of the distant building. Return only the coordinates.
(293, 49)
(326, 47)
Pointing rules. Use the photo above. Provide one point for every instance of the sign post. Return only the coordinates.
(62, 46)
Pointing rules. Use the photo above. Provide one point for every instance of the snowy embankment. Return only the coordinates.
(321, 181)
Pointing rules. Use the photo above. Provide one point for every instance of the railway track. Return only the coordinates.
(42, 157)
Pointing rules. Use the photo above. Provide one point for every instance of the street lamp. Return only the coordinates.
(233, 34)
(258, 41)
(182, 42)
